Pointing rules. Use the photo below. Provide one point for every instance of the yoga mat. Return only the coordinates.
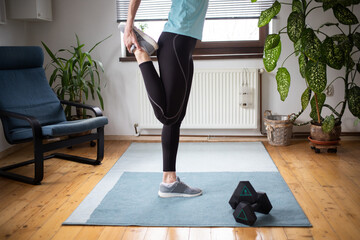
(127, 195)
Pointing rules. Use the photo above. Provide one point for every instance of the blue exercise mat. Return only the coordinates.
(129, 198)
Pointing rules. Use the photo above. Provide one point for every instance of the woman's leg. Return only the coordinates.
(170, 93)
(167, 93)
(169, 96)
(170, 136)
(176, 71)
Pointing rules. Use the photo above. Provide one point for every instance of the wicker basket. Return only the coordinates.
(279, 129)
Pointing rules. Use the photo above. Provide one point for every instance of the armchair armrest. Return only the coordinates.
(34, 122)
(96, 110)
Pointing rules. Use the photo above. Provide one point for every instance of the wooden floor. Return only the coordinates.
(325, 185)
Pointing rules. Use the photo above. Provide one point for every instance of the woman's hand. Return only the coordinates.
(130, 38)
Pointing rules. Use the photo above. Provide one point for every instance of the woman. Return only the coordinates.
(169, 92)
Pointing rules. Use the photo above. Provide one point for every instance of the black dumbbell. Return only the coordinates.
(246, 201)
(245, 212)
(243, 192)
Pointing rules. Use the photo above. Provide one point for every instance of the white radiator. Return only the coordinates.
(219, 99)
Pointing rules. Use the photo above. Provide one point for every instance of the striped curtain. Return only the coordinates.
(155, 10)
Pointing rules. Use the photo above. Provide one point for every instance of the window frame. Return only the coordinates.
(223, 49)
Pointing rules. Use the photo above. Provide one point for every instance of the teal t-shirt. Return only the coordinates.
(187, 17)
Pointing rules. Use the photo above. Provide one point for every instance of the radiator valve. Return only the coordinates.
(137, 133)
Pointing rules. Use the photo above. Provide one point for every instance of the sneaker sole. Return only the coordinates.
(147, 38)
(170, 195)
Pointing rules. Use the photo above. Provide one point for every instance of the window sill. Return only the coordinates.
(204, 57)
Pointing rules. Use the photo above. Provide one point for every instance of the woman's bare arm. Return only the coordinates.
(129, 35)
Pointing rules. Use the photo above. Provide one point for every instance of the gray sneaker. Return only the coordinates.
(178, 189)
(145, 41)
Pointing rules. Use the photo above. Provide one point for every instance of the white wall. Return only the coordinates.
(95, 20)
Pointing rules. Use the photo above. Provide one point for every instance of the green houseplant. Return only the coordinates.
(315, 56)
(75, 75)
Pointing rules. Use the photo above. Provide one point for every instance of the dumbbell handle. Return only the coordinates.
(262, 206)
(254, 206)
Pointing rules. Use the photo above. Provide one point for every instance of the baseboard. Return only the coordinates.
(186, 138)
(197, 138)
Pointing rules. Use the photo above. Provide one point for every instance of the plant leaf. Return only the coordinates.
(302, 65)
(354, 101)
(52, 55)
(311, 44)
(345, 45)
(332, 54)
(272, 50)
(315, 74)
(297, 6)
(283, 82)
(99, 43)
(344, 15)
(349, 62)
(100, 98)
(295, 25)
(328, 124)
(356, 38)
(346, 3)
(327, 4)
(328, 24)
(297, 47)
(271, 57)
(321, 100)
(53, 76)
(85, 89)
(305, 98)
(77, 39)
(269, 13)
(100, 65)
(272, 41)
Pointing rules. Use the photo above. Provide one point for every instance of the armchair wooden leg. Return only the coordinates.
(100, 144)
(38, 168)
(39, 158)
(39, 161)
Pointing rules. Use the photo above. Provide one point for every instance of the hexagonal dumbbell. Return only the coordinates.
(243, 192)
(247, 202)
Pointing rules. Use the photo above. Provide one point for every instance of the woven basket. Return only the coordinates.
(279, 129)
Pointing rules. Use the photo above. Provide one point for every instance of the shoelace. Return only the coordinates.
(184, 184)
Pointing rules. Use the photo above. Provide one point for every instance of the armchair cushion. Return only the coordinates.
(27, 92)
(19, 57)
(24, 88)
(60, 129)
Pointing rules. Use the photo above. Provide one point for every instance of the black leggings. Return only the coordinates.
(169, 93)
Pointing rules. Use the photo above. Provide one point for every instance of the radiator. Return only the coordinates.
(219, 99)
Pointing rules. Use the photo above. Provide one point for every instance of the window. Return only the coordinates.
(230, 29)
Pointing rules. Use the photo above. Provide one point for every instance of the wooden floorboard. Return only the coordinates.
(326, 185)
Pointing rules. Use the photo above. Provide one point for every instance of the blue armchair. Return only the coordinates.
(31, 111)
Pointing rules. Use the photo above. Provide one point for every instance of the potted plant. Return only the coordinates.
(77, 74)
(314, 57)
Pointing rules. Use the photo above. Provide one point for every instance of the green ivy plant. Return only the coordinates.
(77, 74)
(315, 56)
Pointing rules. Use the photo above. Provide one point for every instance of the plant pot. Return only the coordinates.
(317, 134)
(279, 129)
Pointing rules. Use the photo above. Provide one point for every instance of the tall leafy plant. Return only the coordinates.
(75, 75)
(315, 56)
